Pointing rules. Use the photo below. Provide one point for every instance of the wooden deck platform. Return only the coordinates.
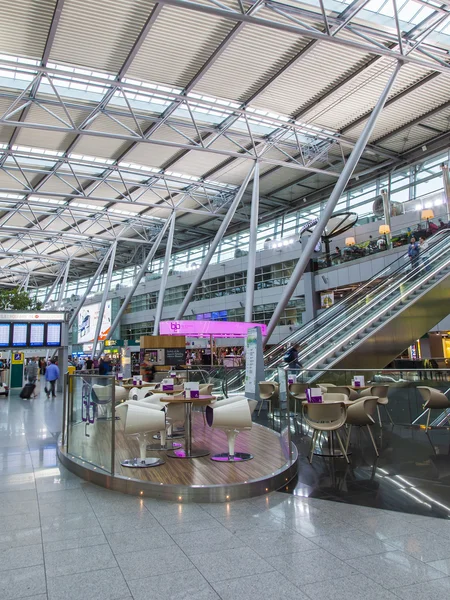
(199, 479)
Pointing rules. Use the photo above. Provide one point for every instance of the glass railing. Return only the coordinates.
(371, 246)
(95, 437)
(393, 284)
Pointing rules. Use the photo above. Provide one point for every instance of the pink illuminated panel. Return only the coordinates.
(206, 328)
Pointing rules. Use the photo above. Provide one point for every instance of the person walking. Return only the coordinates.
(32, 373)
(291, 357)
(51, 377)
(413, 253)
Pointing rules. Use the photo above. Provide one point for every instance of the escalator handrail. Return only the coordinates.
(332, 313)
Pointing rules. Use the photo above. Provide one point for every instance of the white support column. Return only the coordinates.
(104, 298)
(53, 287)
(162, 287)
(338, 189)
(93, 279)
(251, 265)
(386, 195)
(63, 286)
(219, 235)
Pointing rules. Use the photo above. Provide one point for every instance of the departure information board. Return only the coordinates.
(5, 329)
(53, 334)
(19, 336)
(37, 331)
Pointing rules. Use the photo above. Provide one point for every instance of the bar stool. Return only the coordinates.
(233, 415)
(140, 420)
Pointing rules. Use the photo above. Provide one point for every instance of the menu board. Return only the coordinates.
(4, 334)
(175, 356)
(37, 334)
(54, 334)
(19, 336)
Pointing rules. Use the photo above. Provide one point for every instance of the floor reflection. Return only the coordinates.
(412, 473)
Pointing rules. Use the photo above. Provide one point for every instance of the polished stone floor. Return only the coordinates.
(64, 539)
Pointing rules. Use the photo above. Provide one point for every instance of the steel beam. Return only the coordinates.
(138, 278)
(105, 295)
(166, 265)
(331, 204)
(215, 242)
(92, 280)
(251, 264)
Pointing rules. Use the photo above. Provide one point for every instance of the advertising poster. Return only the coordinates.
(87, 322)
(254, 362)
(326, 299)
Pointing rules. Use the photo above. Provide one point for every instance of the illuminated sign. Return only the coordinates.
(205, 328)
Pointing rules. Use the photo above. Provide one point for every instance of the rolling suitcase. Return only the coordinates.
(27, 391)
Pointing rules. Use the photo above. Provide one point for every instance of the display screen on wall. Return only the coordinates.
(54, 334)
(19, 336)
(4, 334)
(88, 319)
(37, 331)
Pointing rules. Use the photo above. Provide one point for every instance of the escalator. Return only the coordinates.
(381, 318)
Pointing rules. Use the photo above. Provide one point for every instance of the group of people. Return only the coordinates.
(102, 366)
(49, 369)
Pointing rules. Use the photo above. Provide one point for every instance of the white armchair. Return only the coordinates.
(233, 415)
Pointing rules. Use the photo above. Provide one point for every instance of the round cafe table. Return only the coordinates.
(188, 451)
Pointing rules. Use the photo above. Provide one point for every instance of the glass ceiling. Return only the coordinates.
(410, 12)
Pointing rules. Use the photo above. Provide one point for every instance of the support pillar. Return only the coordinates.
(162, 287)
(139, 276)
(339, 188)
(251, 265)
(219, 235)
(63, 286)
(104, 298)
(446, 180)
(386, 195)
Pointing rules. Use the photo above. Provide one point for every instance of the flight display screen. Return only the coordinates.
(54, 334)
(37, 331)
(19, 337)
(5, 328)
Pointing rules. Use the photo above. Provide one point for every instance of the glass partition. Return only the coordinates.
(89, 415)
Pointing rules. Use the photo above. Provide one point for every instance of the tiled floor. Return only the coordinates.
(64, 539)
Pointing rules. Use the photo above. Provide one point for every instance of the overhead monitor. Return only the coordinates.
(19, 335)
(37, 331)
(53, 334)
(88, 319)
(5, 329)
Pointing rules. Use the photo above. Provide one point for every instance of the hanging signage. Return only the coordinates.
(17, 358)
(205, 328)
(254, 362)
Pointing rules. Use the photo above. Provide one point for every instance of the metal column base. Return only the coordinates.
(236, 457)
(169, 445)
(141, 463)
(195, 453)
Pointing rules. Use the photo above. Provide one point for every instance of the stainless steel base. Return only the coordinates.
(177, 434)
(139, 463)
(195, 453)
(168, 446)
(237, 457)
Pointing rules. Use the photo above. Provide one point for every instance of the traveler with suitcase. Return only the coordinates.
(32, 373)
(51, 377)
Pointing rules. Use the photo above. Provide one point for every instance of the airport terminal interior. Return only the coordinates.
(224, 299)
